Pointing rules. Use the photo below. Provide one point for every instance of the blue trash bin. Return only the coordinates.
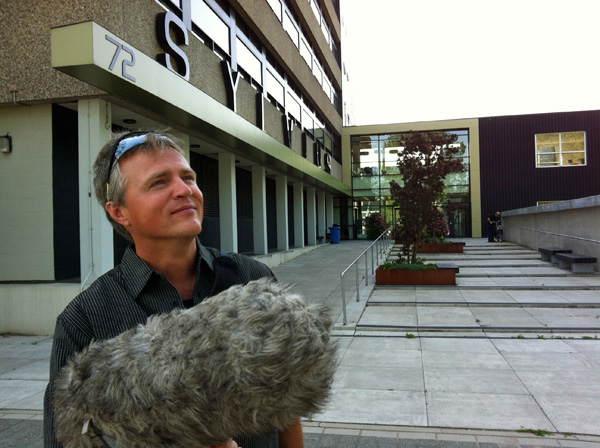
(335, 235)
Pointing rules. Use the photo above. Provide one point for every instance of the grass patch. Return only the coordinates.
(410, 336)
(393, 266)
(537, 432)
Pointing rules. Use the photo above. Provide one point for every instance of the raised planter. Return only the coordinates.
(439, 248)
(418, 277)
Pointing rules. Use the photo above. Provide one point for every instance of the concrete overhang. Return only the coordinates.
(98, 57)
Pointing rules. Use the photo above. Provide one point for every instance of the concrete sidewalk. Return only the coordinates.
(512, 349)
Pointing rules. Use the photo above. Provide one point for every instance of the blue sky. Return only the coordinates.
(422, 60)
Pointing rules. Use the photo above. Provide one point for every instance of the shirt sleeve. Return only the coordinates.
(68, 340)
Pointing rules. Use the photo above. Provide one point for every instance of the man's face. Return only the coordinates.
(162, 199)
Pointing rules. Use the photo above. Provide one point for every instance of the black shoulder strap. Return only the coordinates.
(226, 274)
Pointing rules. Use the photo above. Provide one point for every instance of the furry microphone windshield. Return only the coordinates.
(250, 360)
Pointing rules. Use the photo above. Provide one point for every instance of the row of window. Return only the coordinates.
(212, 17)
(552, 150)
(378, 154)
(560, 149)
(294, 29)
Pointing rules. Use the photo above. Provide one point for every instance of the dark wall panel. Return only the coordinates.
(304, 220)
(207, 171)
(509, 177)
(271, 193)
(243, 182)
(290, 211)
(65, 193)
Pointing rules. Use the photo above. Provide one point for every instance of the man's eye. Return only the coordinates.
(157, 183)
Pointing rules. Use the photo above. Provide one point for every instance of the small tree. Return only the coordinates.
(437, 229)
(374, 225)
(424, 161)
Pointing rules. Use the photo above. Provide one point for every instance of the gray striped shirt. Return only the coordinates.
(125, 297)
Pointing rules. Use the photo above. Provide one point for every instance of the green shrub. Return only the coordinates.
(437, 240)
(374, 226)
(392, 266)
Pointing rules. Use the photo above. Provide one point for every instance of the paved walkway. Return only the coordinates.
(513, 349)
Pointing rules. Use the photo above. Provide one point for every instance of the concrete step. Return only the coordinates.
(541, 330)
(475, 256)
(485, 304)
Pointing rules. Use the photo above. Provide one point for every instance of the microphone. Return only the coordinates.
(250, 360)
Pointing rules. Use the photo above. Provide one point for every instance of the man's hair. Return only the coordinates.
(110, 186)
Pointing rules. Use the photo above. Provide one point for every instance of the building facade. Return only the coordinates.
(374, 163)
(512, 162)
(252, 89)
(529, 160)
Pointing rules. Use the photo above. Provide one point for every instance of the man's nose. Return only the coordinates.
(182, 188)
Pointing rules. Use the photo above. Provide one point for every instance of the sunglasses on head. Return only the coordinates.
(124, 144)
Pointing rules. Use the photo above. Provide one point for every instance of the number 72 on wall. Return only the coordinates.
(125, 62)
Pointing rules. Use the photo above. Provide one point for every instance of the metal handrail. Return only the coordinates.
(382, 246)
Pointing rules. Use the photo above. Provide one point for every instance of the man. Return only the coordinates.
(491, 228)
(150, 196)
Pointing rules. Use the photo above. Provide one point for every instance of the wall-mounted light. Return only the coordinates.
(5, 143)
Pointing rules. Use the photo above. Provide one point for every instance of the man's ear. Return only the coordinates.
(116, 212)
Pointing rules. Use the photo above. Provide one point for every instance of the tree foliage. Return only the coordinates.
(424, 161)
(374, 225)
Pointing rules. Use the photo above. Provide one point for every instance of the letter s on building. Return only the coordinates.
(173, 51)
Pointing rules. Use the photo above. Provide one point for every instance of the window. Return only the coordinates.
(325, 30)
(374, 163)
(289, 26)
(292, 106)
(327, 86)
(307, 120)
(306, 52)
(276, 7)
(316, 10)
(210, 23)
(560, 149)
(275, 89)
(317, 71)
(249, 62)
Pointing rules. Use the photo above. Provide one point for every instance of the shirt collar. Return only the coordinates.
(136, 272)
(205, 255)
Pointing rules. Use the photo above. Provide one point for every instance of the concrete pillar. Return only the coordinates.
(96, 233)
(350, 207)
(321, 219)
(259, 209)
(298, 214)
(311, 215)
(329, 210)
(281, 199)
(227, 203)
